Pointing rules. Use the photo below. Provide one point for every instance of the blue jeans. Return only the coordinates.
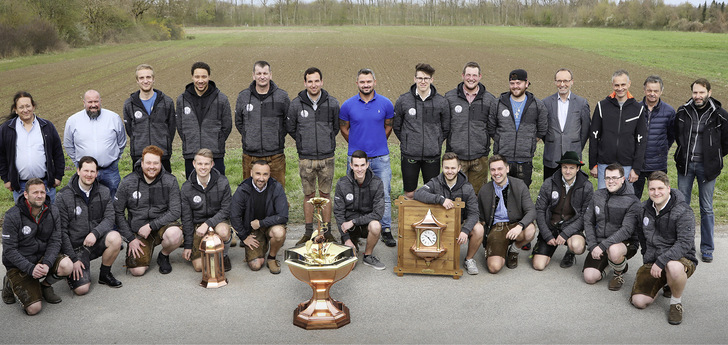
(601, 168)
(50, 191)
(705, 194)
(380, 166)
(109, 177)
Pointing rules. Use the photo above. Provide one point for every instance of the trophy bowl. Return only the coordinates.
(321, 311)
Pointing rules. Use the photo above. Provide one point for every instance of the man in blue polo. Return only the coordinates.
(365, 121)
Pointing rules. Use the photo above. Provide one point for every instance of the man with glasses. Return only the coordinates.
(421, 122)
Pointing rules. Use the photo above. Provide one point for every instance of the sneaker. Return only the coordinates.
(109, 280)
(49, 295)
(471, 267)
(371, 260)
(666, 292)
(675, 315)
(226, 263)
(163, 261)
(707, 258)
(617, 281)
(274, 266)
(8, 295)
(512, 260)
(568, 260)
(388, 239)
(526, 247)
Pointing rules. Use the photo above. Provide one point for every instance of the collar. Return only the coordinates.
(568, 97)
(566, 184)
(80, 186)
(259, 190)
(314, 101)
(663, 206)
(199, 182)
(417, 92)
(475, 93)
(497, 187)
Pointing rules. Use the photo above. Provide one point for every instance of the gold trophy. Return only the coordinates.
(320, 265)
(213, 269)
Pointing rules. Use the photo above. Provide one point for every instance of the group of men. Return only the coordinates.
(98, 210)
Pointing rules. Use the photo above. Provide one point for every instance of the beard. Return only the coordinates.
(93, 113)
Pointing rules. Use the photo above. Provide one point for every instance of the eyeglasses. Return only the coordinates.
(562, 81)
(421, 79)
(612, 178)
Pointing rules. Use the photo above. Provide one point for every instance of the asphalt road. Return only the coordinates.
(514, 306)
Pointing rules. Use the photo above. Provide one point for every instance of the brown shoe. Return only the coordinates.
(274, 266)
(512, 260)
(617, 281)
(8, 295)
(49, 295)
(675, 316)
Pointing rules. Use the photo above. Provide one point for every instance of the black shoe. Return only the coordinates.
(109, 280)
(329, 237)
(8, 295)
(666, 292)
(568, 260)
(526, 247)
(163, 261)
(512, 259)
(226, 263)
(388, 239)
(49, 295)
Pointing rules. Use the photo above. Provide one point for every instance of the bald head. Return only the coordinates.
(92, 103)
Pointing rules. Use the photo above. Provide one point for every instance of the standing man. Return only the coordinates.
(149, 118)
(569, 121)
(609, 226)
(448, 186)
(313, 121)
(30, 148)
(506, 209)
(206, 202)
(151, 198)
(366, 123)
(98, 133)
(701, 133)
(560, 208)
(358, 207)
(618, 119)
(203, 118)
(516, 124)
(31, 246)
(660, 117)
(259, 214)
(87, 223)
(421, 123)
(667, 236)
(260, 115)
(470, 103)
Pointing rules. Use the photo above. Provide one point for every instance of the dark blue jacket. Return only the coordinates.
(242, 210)
(659, 135)
(55, 161)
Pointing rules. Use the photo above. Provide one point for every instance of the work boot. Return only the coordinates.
(512, 260)
(163, 261)
(306, 236)
(568, 260)
(329, 237)
(675, 316)
(274, 266)
(388, 239)
(110, 280)
(8, 295)
(49, 295)
(617, 281)
(226, 263)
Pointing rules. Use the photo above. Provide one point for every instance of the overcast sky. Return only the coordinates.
(694, 2)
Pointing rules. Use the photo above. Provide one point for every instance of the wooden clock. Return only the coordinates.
(427, 244)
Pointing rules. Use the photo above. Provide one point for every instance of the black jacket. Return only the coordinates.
(242, 211)
(25, 242)
(314, 130)
(436, 191)
(213, 108)
(52, 145)
(421, 126)
(670, 235)
(260, 119)
(714, 140)
(145, 129)
(359, 204)
(612, 217)
(469, 123)
(210, 205)
(520, 145)
(618, 134)
(548, 198)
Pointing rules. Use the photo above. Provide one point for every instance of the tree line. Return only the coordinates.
(36, 26)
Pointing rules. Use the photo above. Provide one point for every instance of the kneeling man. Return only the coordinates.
(560, 209)
(667, 236)
(445, 188)
(259, 214)
(87, 221)
(31, 246)
(150, 194)
(609, 226)
(358, 207)
(206, 201)
(506, 208)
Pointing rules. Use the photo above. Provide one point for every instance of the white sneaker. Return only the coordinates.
(471, 267)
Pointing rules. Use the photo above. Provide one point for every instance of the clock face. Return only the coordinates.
(428, 238)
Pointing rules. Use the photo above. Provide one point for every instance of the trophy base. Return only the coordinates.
(321, 314)
(213, 284)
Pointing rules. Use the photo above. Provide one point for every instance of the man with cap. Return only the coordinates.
(560, 209)
(517, 122)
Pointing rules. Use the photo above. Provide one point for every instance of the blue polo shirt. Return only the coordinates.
(366, 123)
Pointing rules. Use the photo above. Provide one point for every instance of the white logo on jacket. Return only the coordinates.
(554, 195)
(187, 110)
(349, 197)
(136, 194)
(646, 221)
(304, 113)
(26, 230)
(596, 209)
(78, 210)
(506, 113)
(197, 199)
(249, 107)
(458, 109)
(412, 111)
(138, 114)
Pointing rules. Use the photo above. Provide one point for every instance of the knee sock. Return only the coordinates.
(104, 270)
(227, 245)
(308, 231)
(618, 267)
(512, 248)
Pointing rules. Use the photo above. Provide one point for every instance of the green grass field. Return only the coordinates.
(58, 80)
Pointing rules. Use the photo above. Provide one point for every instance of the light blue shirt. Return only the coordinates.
(501, 213)
(103, 138)
(518, 108)
(30, 157)
(149, 103)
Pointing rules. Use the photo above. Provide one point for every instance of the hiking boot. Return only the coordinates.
(512, 260)
(49, 295)
(163, 261)
(110, 280)
(371, 260)
(675, 316)
(568, 260)
(470, 266)
(617, 281)
(226, 263)
(666, 292)
(274, 266)
(8, 295)
(388, 239)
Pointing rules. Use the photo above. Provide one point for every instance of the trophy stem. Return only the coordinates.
(321, 311)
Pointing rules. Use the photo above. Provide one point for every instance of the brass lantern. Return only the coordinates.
(213, 269)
